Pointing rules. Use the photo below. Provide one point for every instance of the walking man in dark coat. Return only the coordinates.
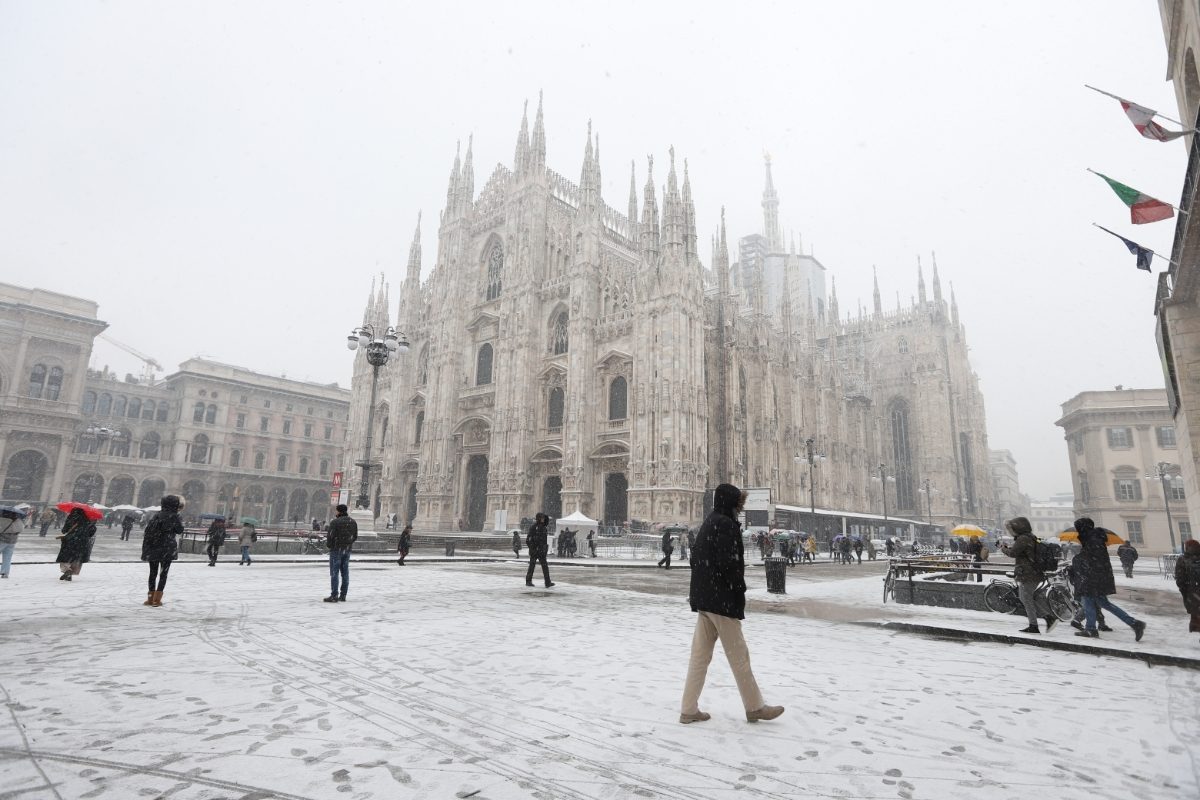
(1093, 570)
(516, 543)
(126, 527)
(1024, 551)
(1128, 554)
(718, 596)
(667, 549)
(343, 533)
(538, 545)
(216, 540)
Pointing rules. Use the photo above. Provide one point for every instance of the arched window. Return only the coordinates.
(618, 398)
(37, 380)
(324, 467)
(235, 458)
(198, 412)
(119, 445)
(901, 454)
(902, 345)
(303, 465)
(281, 463)
(495, 271)
(260, 460)
(104, 406)
(418, 426)
(148, 410)
(483, 366)
(559, 336)
(161, 414)
(89, 403)
(119, 403)
(384, 421)
(210, 414)
(135, 408)
(149, 446)
(423, 366)
(25, 477)
(199, 449)
(554, 413)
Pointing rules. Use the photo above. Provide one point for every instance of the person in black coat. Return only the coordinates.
(1187, 578)
(342, 534)
(216, 540)
(160, 547)
(1092, 571)
(718, 596)
(1128, 554)
(404, 544)
(667, 549)
(538, 545)
(78, 533)
(516, 544)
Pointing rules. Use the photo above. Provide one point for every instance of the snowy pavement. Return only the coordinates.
(447, 680)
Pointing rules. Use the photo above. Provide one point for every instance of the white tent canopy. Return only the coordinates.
(577, 520)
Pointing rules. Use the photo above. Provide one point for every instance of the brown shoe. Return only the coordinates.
(699, 716)
(149, 599)
(156, 599)
(766, 712)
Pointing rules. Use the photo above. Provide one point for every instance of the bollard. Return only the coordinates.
(776, 574)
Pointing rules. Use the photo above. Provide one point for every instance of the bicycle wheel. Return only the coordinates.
(1061, 604)
(889, 585)
(1001, 597)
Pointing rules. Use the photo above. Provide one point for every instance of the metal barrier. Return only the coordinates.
(1167, 563)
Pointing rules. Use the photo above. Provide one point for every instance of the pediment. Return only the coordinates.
(481, 319)
(614, 359)
(610, 450)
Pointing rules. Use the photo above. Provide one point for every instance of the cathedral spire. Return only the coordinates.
(937, 284)
(537, 154)
(672, 215)
(920, 284)
(721, 259)
(414, 257)
(953, 306)
(521, 156)
(785, 305)
(649, 231)
(589, 175)
(770, 204)
(452, 188)
(633, 207)
(878, 303)
(689, 218)
(833, 303)
(466, 187)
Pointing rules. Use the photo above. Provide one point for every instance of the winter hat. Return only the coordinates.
(171, 503)
(1018, 526)
(1192, 547)
(727, 498)
(1084, 524)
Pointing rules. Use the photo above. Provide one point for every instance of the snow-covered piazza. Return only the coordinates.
(447, 680)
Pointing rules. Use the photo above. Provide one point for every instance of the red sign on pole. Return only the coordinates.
(337, 480)
(334, 497)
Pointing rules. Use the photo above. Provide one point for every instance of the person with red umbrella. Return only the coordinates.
(78, 533)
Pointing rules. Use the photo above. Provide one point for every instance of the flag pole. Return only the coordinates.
(1124, 100)
(1119, 236)
(1165, 203)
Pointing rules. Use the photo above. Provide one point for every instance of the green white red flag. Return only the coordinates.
(1143, 119)
(1142, 207)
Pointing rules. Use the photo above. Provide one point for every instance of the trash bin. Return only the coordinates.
(776, 574)
(450, 547)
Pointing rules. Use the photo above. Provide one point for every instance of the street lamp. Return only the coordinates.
(1162, 471)
(812, 458)
(928, 491)
(378, 350)
(101, 434)
(883, 478)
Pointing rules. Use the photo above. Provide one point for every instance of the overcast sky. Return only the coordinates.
(226, 178)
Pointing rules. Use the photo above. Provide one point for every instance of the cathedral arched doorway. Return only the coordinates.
(25, 476)
(552, 497)
(410, 505)
(477, 475)
(616, 498)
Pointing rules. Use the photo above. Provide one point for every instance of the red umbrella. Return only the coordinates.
(93, 514)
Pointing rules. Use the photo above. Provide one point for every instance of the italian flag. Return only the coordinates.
(1143, 119)
(1142, 207)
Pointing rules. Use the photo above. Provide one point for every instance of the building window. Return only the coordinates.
(135, 409)
(104, 405)
(264, 423)
(303, 465)
(235, 458)
(483, 366)
(618, 399)
(241, 421)
(328, 432)
(1185, 530)
(1085, 492)
(554, 415)
(308, 430)
(89, 403)
(198, 412)
(418, 427)
(149, 447)
(281, 463)
(120, 447)
(1120, 438)
(119, 404)
(495, 271)
(902, 345)
(1166, 435)
(210, 414)
(54, 383)
(902, 455)
(288, 407)
(324, 467)
(148, 410)
(37, 380)
(1133, 529)
(559, 333)
(199, 453)
(161, 414)
(1128, 489)
(260, 460)
(287, 427)
(1078, 440)
(245, 399)
(1175, 488)
(266, 403)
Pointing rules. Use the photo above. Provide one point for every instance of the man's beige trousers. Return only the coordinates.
(710, 628)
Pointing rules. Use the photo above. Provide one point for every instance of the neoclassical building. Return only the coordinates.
(567, 355)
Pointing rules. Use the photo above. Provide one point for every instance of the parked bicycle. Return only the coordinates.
(313, 545)
(1054, 590)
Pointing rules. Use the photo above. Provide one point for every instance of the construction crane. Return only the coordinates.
(150, 365)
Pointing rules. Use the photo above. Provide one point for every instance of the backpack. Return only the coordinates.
(1046, 556)
(984, 552)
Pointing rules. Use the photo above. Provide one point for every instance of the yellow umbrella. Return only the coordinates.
(1110, 540)
(968, 530)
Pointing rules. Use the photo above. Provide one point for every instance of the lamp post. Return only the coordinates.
(378, 348)
(928, 491)
(101, 434)
(883, 478)
(812, 458)
(1162, 471)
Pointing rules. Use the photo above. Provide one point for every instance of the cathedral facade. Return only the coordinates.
(566, 355)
